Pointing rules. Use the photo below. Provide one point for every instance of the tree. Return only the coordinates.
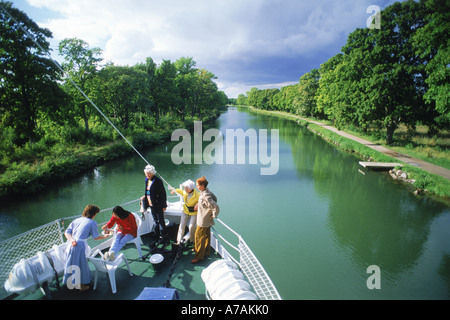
(400, 72)
(28, 87)
(241, 100)
(164, 90)
(160, 89)
(306, 103)
(432, 43)
(149, 69)
(118, 89)
(252, 97)
(380, 77)
(81, 65)
(185, 83)
(332, 97)
(204, 91)
(180, 89)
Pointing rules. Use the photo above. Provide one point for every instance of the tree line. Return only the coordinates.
(40, 104)
(382, 78)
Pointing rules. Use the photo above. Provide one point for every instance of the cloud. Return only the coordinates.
(250, 42)
(120, 47)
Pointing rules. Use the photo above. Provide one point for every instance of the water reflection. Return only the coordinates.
(315, 226)
(372, 219)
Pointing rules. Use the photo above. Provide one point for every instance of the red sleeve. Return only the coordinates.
(111, 222)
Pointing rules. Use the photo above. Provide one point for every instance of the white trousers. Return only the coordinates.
(192, 224)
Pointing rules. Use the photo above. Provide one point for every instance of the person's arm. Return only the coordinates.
(110, 223)
(70, 239)
(213, 206)
(100, 237)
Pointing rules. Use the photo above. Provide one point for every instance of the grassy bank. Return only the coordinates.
(35, 166)
(423, 181)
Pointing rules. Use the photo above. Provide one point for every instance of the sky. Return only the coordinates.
(245, 43)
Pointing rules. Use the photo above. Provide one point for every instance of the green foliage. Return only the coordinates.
(29, 92)
(80, 63)
(242, 100)
(433, 44)
(73, 134)
(395, 75)
(49, 130)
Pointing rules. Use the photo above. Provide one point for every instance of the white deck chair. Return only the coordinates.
(138, 241)
(108, 267)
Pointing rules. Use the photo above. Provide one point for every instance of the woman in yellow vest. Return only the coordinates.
(189, 215)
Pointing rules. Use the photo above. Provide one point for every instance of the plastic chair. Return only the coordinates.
(138, 241)
(108, 267)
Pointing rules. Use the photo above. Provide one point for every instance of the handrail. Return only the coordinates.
(251, 267)
(229, 228)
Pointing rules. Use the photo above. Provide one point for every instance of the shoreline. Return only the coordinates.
(35, 180)
(423, 177)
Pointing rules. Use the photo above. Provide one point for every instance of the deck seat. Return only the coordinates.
(109, 267)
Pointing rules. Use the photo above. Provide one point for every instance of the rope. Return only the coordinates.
(177, 257)
(52, 263)
(77, 87)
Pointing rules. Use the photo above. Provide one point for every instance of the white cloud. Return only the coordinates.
(227, 36)
(121, 47)
(207, 29)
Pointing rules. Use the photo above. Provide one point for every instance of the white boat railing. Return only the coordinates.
(40, 239)
(249, 264)
(43, 238)
(25, 246)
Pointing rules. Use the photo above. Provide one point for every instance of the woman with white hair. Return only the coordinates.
(155, 198)
(189, 215)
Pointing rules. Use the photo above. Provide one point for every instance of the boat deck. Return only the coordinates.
(186, 277)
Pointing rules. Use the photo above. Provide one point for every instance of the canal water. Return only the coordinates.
(318, 225)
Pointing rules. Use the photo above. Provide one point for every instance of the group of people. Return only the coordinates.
(199, 210)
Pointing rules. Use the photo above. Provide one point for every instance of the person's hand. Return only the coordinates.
(73, 242)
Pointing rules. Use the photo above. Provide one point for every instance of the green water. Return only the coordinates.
(316, 226)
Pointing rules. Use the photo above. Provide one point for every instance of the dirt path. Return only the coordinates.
(399, 156)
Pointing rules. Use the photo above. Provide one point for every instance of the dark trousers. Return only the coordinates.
(160, 224)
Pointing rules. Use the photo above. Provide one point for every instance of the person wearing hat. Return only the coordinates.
(155, 198)
(189, 215)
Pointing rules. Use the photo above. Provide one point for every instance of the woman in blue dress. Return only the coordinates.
(76, 272)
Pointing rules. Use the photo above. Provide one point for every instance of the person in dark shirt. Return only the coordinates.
(155, 198)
